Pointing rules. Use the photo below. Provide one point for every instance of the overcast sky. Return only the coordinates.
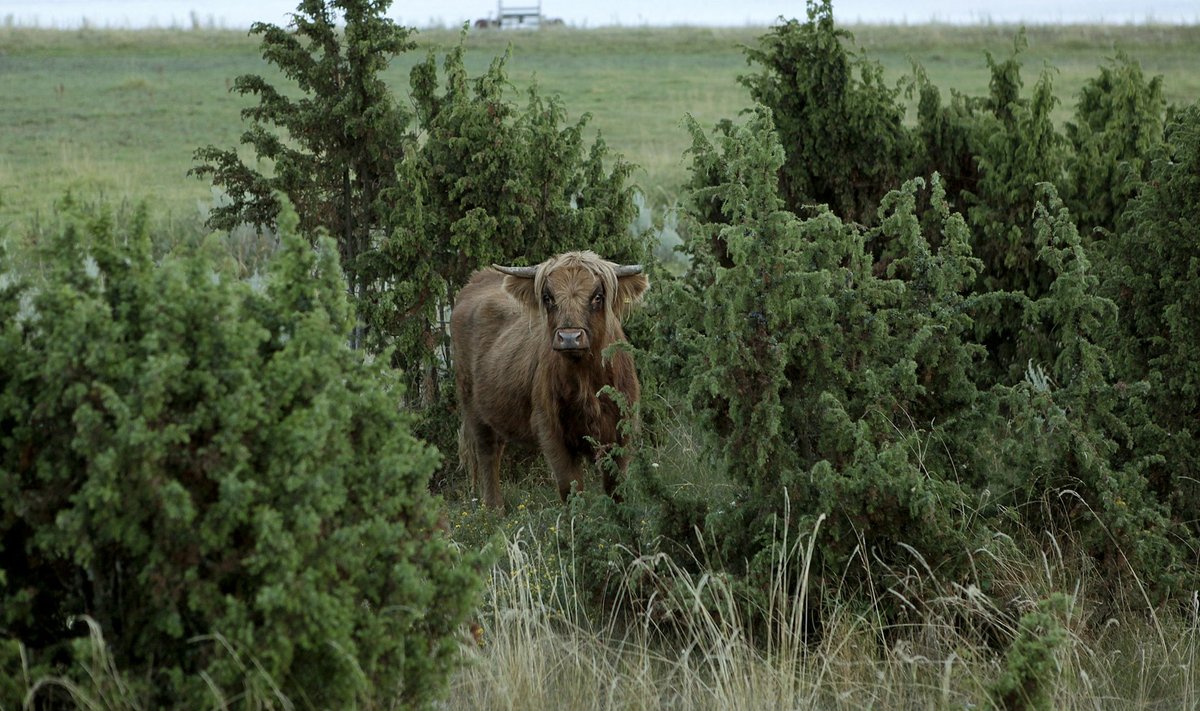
(594, 13)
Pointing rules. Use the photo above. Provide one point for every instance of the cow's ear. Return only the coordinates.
(629, 291)
(521, 289)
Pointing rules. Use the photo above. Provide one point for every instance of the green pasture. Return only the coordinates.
(115, 115)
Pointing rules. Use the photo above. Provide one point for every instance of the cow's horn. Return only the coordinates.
(522, 272)
(626, 270)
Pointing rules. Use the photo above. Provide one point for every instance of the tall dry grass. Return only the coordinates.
(542, 648)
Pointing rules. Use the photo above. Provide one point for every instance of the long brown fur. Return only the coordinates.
(514, 387)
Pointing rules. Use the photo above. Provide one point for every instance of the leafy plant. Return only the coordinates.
(1151, 273)
(202, 465)
(1030, 669)
(841, 127)
(1118, 125)
(816, 376)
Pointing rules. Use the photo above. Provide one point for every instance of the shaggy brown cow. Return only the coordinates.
(529, 365)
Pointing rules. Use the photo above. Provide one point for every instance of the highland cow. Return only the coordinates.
(530, 363)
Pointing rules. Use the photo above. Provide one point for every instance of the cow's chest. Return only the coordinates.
(587, 421)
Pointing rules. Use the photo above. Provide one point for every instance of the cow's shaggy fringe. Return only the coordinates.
(543, 649)
(595, 265)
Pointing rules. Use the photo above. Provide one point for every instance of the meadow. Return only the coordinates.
(116, 115)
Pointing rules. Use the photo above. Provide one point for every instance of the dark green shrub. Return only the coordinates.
(1019, 148)
(947, 135)
(841, 127)
(846, 146)
(1117, 128)
(820, 381)
(839, 370)
(203, 466)
(1070, 446)
(994, 151)
(1151, 268)
(1030, 669)
(507, 182)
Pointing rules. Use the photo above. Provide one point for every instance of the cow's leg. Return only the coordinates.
(565, 465)
(481, 450)
(491, 476)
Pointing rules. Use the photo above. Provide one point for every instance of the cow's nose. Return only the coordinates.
(569, 339)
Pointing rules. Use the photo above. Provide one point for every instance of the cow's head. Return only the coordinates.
(580, 297)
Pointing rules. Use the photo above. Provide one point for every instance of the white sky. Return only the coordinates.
(593, 13)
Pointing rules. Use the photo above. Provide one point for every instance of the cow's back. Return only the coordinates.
(481, 312)
(493, 355)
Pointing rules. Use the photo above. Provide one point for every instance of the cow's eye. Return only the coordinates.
(547, 299)
(598, 300)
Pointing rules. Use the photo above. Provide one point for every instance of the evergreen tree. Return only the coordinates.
(841, 127)
(333, 150)
(1153, 271)
(1118, 126)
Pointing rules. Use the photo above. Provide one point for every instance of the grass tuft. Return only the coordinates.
(542, 648)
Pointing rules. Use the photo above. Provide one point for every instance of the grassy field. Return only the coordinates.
(116, 115)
